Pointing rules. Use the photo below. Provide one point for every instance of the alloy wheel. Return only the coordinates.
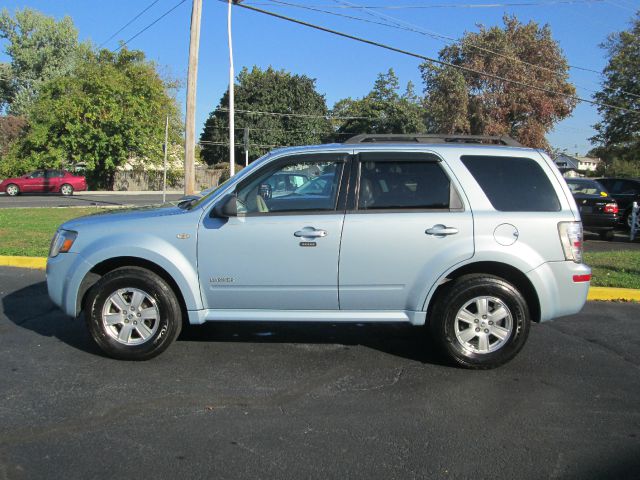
(130, 316)
(483, 325)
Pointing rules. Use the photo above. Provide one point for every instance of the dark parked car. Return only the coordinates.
(599, 211)
(44, 181)
(625, 191)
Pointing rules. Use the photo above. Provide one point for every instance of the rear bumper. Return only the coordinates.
(558, 293)
(599, 222)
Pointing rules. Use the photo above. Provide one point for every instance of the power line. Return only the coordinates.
(442, 37)
(457, 5)
(448, 39)
(150, 25)
(284, 130)
(129, 23)
(303, 115)
(430, 59)
(397, 22)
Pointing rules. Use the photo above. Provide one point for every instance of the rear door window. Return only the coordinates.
(513, 184)
(392, 181)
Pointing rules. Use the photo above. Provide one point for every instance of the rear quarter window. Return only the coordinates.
(513, 184)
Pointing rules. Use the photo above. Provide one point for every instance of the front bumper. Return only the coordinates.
(64, 275)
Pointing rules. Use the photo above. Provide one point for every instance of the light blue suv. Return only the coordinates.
(473, 236)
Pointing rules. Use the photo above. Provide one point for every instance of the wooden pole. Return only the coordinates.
(192, 80)
(232, 139)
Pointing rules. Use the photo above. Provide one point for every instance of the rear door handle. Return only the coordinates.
(310, 232)
(441, 230)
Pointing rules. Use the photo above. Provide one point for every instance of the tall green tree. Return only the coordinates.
(111, 109)
(618, 133)
(383, 110)
(40, 48)
(275, 91)
(458, 101)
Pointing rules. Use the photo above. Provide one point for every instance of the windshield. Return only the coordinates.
(316, 186)
(586, 187)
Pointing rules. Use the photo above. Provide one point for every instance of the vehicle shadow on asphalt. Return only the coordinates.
(400, 340)
(31, 309)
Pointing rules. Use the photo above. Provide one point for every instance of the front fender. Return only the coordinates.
(147, 247)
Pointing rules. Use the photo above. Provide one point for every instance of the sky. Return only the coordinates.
(343, 68)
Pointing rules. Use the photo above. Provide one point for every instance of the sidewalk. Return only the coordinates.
(127, 192)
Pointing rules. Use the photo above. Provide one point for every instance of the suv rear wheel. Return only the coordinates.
(480, 322)
(133, 314)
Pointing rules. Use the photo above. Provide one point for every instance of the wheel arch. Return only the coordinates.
(110, 264)
(505, 271)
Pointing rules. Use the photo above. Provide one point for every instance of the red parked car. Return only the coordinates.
(44, 181)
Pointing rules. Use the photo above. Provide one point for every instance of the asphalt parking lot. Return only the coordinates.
(620, 242)
(314, 401)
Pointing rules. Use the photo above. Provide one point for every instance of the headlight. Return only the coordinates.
(62, 242)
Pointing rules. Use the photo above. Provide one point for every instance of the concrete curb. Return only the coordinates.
(595, 293)
(38, 263)
(607, 293)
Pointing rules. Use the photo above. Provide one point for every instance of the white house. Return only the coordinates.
(572, 165)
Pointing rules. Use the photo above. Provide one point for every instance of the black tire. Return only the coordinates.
(12, 190)
(462, 292)
(66, 190)
(607, 235)
(159, 296)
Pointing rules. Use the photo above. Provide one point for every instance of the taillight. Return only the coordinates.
(571, 240)
(611, 208)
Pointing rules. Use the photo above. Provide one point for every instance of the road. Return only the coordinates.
(83, 200)
(314, 401)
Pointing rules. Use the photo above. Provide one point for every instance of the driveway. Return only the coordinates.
(314, 401)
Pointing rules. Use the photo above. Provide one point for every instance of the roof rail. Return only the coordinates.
(432, 138)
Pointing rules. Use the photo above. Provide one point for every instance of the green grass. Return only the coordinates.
(28, 231)
(615, 269)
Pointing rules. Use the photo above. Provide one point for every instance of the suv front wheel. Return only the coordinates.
(480, 321)
(133, 314)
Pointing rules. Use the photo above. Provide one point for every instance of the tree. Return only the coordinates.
(382, 110)
(11, 129)
(111, 109)
(40, 48)
(459, 101)
(279, 92)
(618, 136)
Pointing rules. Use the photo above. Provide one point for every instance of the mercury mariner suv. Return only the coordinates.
(472, 237)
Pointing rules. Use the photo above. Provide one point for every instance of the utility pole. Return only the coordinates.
(166, 149)
(232, 138)
(246, 146)
(192, 80)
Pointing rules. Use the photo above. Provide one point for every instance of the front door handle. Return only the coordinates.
(441, 230)
(310, 232)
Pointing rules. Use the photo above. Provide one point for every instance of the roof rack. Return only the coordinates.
(432, 138)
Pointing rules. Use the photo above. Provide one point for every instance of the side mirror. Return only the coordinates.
(226, 207)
